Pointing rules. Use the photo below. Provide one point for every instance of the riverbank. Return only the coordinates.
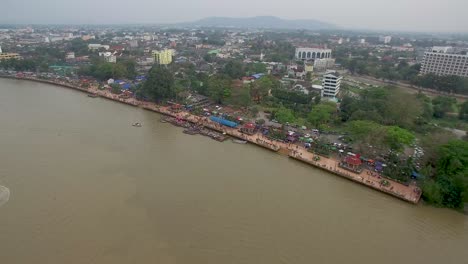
(410, 193)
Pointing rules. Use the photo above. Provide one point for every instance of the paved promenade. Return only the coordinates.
(408, 193)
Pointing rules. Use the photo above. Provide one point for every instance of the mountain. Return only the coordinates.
(264, 22)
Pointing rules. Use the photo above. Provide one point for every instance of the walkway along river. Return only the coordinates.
(85, 186)
(408, 193)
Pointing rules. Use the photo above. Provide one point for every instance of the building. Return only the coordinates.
(385, 39)
(323, 64)
(108, 56)
(312, 53)
(331, 84)
(9, 56)
(87, 37)
(70, 56)
(98, 46)
(133, 43)
(163, 57)
(443, 61)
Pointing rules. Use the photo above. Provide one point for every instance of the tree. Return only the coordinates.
(159, 85)
(397, 137)
(463, 113)
(401, 109)
(130, 67)
(209, 57)
(253, 68)
(259, 89)
(361, 128)
(240, 96)
(443, 105)
(234, 69)
(380, 137)
(321, 113)
(449, 187)
(104, 70)
(431, 144)
(317, 99)
(115, 88)
(219, 88)
(284, 115)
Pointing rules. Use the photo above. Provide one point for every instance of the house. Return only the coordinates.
(98, 46)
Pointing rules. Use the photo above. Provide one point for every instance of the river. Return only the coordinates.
(87, 187)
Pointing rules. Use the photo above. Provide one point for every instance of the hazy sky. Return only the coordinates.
(408, 15)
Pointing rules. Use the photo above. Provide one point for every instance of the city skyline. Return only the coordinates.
(397, 15)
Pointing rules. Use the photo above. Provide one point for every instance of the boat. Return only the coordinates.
(190, 131)
(136, 124)
(238, 141)
(93, 95)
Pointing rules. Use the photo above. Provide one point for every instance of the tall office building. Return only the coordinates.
(443, 61)
(331, 84)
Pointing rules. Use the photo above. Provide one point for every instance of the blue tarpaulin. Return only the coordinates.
(379, 166)
(416, 175)
(258, 75)
(223, 121)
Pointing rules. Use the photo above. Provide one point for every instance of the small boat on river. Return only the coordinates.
(136, 124)
(93, 95)
(238, 141)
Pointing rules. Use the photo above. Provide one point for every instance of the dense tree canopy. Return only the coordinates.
(234, 69)
(102, 70)
(369, 133)
(219, 88)
(383, 106)
(463, 113)
(19, 65)
(445, 83)
(321, 113)
(443, 105)
(449, 186)
(159, 85)
(284, 115)
(260, 88)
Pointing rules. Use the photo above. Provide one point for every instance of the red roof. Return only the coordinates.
(249, 125)
(353, 160)
(118, 47)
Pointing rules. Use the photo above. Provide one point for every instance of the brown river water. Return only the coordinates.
(87, 187)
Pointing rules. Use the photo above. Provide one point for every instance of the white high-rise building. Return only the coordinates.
(331, 84)
(385, 39)
(442, 61)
